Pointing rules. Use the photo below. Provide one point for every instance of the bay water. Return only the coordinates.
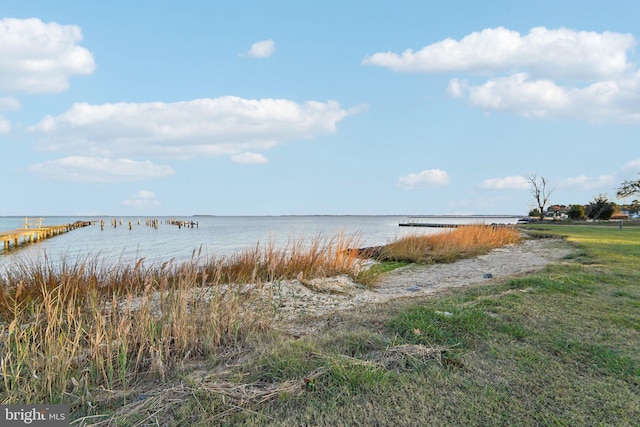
(213, 236)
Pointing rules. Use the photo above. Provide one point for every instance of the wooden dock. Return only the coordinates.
(453, 221)
(430, 224)
(30, 234)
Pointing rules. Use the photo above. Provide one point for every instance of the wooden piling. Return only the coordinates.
(29, 234)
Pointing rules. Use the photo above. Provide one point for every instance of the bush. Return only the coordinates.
(600, 208)
(577, 213)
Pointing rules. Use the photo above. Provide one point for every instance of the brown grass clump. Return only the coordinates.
(461, 242)
(301, 259)
(79, 329)
(163, 406)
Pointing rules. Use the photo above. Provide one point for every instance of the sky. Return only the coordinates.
(150, 108)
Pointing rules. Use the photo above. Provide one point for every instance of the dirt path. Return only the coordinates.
(525, 257)
(322, 296)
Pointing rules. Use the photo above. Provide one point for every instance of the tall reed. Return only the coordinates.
(68, 329)
(447, 246)
(320, 256)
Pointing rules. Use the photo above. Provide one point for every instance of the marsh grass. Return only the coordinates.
(69, 329)
(320, 256)
(81, 332)
(464, 241)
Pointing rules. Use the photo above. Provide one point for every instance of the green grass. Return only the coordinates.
(559, 347)
(459, 328)
(372, 274)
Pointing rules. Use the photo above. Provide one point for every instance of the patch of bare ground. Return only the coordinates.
(297, 301)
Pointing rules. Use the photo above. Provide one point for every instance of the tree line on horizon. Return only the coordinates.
(599, 209)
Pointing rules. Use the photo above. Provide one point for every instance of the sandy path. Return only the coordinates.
(340, 293)
(528, 256)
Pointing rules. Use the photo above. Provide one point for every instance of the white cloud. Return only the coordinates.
(562, 53)
(9, 104)
(203, 127)
(249, 158)
(547, 73)
(516, 182)
(583, 182)
(38, 57)
(457, 88)
(141, 200)
(425, 178)
(262, 49)
(5, 125)
(96, 169)
(516, 93)
(607, 101)
(632, 165)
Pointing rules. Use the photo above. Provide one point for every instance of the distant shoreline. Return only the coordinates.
(266, 216)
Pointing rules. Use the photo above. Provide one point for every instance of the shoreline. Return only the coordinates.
(318, 298)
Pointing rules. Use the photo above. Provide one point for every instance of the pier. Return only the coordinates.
(429, 224)
(34, 230)
(453, 221)
(31, 234)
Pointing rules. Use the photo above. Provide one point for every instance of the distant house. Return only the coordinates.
(630, 214)
(619, 217)
(557, 212)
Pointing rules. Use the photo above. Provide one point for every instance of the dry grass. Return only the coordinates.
(80, 332)
(71, 332)
(161, 406)
(69, 329)
(448, 246)
(318, 257)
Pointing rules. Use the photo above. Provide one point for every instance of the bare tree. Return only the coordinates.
(540, 192)
(628, 188)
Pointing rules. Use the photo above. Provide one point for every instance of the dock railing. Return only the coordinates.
(33, 222)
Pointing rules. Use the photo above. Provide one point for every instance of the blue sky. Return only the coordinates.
(279, 107)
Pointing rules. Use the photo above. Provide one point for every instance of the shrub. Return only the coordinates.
(577, 213)
(600, 208)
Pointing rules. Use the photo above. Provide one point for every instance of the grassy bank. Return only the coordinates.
(554, 348)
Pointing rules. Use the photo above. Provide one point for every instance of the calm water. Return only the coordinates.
(214, 236)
